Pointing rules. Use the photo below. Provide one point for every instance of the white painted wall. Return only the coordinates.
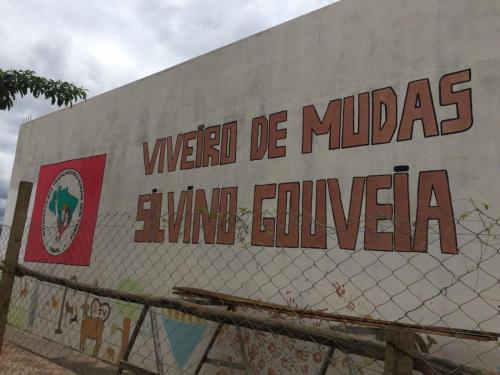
(344, 49)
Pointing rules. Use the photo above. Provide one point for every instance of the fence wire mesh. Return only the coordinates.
(455, 291)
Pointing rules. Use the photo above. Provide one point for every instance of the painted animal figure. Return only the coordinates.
(72, 312)
(110, 354)
(23, 292)
(69, 309)
(93, 324)
(54, 302)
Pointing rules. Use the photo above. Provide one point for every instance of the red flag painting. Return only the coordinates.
(65, 212)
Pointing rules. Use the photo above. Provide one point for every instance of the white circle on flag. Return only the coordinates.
(62, 211)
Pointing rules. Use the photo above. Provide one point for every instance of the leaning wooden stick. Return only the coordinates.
(315, 314)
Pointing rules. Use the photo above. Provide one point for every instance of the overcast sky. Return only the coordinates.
(102, 44)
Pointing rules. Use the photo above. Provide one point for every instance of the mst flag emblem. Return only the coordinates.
(62, 211)
(65, 211)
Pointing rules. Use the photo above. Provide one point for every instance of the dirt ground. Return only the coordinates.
(16, 361)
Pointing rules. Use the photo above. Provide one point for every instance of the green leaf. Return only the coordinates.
(21, 82)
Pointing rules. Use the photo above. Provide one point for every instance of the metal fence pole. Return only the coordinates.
(12, 254)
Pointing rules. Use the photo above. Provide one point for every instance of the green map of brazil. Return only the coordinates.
(63, 205)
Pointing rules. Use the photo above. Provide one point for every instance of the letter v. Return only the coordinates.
(347, 233)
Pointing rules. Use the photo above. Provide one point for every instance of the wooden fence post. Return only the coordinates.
(396, 361)
(12, 254)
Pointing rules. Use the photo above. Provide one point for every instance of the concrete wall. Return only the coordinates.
(348, 48)
(344, 49)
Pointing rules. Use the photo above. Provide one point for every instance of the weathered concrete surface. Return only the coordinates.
(51, 358)
(17, 361)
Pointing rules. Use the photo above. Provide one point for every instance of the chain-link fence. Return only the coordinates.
(240, 308)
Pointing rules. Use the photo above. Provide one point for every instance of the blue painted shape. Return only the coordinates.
(183, 338)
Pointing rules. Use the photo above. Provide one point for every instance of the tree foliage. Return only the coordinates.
(22, 82)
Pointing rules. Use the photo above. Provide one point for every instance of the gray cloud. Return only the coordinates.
(104, 44)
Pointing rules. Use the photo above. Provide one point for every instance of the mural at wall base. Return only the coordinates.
(184, 333)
